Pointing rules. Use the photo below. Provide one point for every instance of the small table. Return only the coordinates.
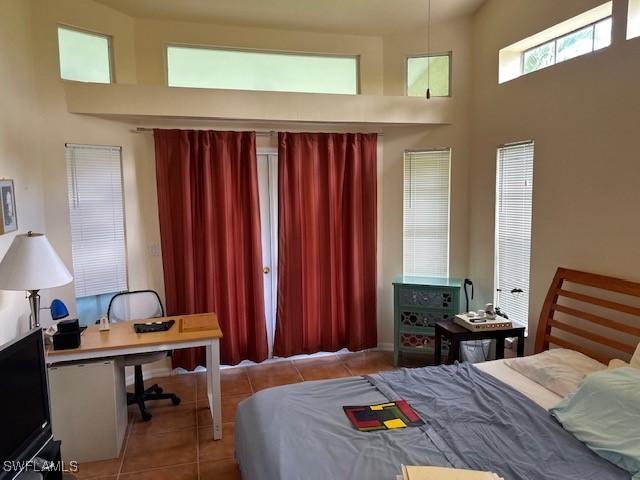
(457, 333)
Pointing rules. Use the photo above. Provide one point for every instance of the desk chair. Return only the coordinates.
(140, 305)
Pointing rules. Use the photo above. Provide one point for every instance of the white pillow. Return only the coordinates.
(617, 363)
(559, 370)
(635, 360)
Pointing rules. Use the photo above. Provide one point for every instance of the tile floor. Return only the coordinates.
(177, 443)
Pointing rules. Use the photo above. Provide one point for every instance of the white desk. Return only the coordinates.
(188, 331)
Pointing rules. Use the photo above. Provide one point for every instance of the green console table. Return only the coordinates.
(420, 302)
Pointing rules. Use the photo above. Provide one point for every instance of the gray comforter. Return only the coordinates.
(299, 432)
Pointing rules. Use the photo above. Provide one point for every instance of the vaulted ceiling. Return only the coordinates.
(364, 17)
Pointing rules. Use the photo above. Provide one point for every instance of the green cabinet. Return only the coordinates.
(420, 302)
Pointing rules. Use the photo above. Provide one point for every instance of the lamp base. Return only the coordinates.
(34, 303)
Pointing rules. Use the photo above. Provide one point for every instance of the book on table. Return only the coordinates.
(416, 472)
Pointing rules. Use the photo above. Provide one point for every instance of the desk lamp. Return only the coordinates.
(32, 264)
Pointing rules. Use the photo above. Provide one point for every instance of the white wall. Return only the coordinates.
(583, 116)
(139, 58)
(453, 36)
(35, 126)
(60, 127)
(19, 157)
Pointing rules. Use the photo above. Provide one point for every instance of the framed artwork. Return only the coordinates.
(8, 213)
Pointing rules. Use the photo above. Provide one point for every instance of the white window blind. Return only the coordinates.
(94, 177)
(514, 199)
(426, 213)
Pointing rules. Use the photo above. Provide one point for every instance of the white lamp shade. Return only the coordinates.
(31, 263)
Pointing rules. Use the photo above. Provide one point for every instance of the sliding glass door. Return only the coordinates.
(268, 188)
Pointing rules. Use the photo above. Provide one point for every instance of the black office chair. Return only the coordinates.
(140, 305)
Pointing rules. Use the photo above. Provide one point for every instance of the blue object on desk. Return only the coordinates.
(58, 309)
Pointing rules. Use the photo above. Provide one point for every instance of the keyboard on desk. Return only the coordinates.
(153, 326)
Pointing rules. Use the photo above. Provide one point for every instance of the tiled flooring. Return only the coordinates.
(177, 443)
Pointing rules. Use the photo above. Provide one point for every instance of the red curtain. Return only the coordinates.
(326, 242)
(210, 230)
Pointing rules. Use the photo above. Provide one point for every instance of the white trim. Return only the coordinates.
(385, 347)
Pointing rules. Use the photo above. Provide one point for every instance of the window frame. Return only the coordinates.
(406, 154)
(109, 38)
(355, 57)
(429, 55)
(554, 40)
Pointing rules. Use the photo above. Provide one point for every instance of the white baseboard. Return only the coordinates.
(163, 367)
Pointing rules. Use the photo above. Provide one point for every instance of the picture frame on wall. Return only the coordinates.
(8, 212)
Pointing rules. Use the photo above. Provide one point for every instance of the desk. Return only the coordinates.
(122, 339)
(457, 333)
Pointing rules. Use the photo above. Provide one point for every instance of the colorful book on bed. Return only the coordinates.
(383, 416)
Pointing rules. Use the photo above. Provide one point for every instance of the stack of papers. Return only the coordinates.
(439, 473)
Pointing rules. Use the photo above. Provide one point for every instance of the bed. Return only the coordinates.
(490, 416)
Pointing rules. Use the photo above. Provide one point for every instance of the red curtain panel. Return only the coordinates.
(326, 242)
(210, 230)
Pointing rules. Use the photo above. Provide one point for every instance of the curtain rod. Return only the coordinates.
(263, 133)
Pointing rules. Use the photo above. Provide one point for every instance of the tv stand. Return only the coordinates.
(50, 455)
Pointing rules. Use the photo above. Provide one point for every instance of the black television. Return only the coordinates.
(24, 402)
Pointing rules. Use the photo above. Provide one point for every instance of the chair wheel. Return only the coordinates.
(146, 416)
(175, 400)
(159, 390)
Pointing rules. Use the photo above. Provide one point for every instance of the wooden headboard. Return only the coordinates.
(606, 337)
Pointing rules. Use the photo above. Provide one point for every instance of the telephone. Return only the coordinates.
(49, 332)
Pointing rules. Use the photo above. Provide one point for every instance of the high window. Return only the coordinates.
(96, 208)
(585, 33)
(426, 213)
(84, 56)
(200, 67)
(514, 199)
(429, 71)
(586, 40)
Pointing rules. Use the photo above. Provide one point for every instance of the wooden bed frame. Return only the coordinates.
(613, 332)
